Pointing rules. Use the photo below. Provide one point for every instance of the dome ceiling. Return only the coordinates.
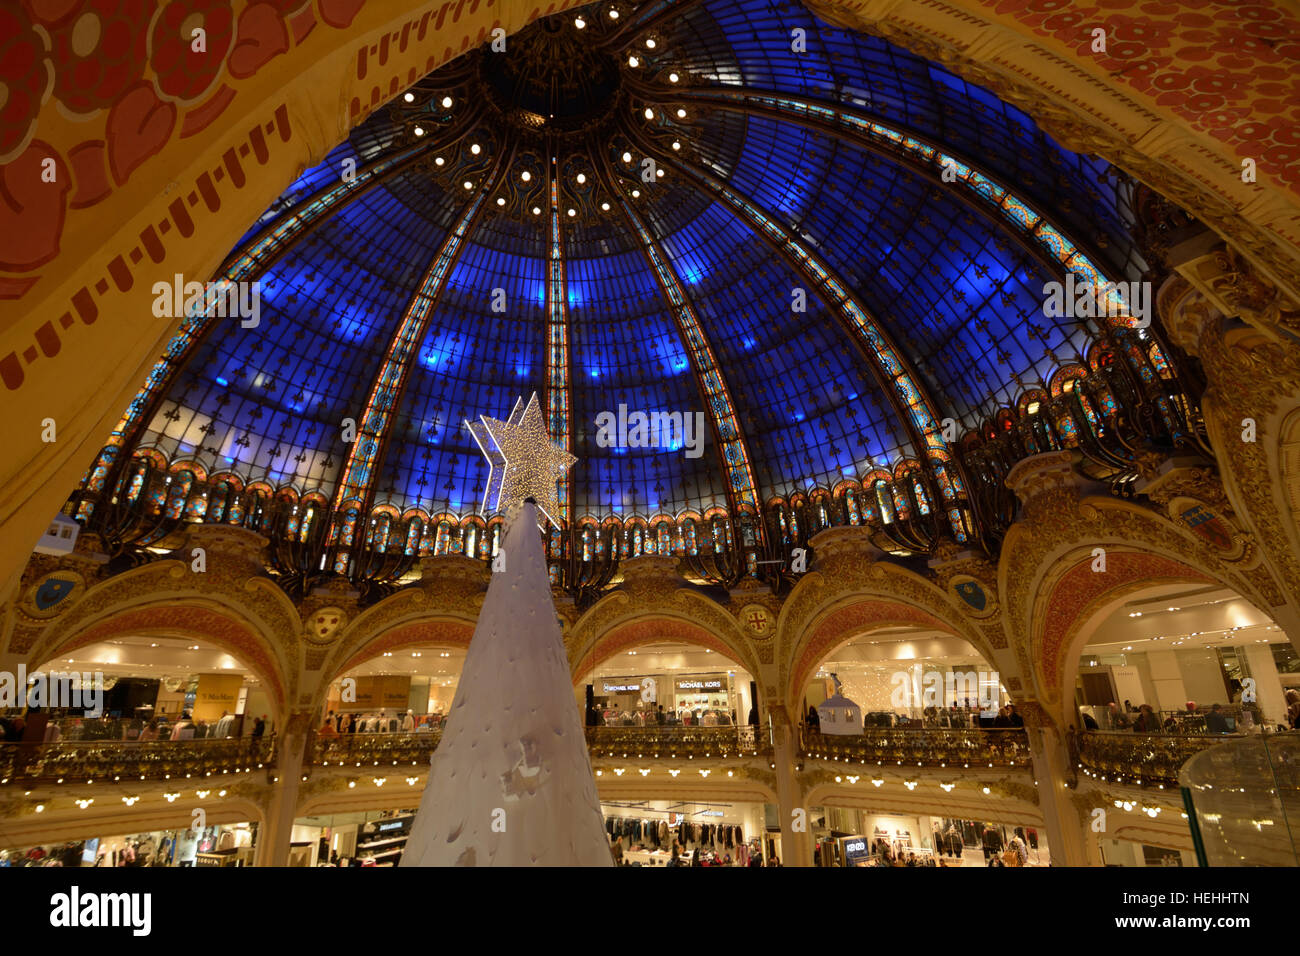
(632, 213)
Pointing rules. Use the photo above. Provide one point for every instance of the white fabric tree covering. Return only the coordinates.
(513, 752)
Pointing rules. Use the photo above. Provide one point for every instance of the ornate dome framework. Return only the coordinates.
(831, 247)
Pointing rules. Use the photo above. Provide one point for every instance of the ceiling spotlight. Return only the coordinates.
(636, 194)
(659, 173)
(650, 44)
(573, 212)
(537, 211)
(501, 200)
(582, 178)
(649, 113)
(439, 160)
(676, 145)
(604, 207)
(446, 102)
(525, 175)
(580, 23)
(468, 184)
(681, 113)
(613, 14)
(627, 157)
(409, 97)
(633, 61)
(475, 148)
(673, 77)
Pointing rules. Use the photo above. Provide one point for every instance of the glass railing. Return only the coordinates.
(1243, 798)
(998, 747)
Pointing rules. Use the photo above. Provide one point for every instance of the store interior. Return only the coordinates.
(694, 685)
(229, 844)
(1181, 651)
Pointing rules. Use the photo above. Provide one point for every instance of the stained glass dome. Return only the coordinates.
(830, 248)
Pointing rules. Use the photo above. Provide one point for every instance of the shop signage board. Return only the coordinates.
(708, 684)
(216, 693)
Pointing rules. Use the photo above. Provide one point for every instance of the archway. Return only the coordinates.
(185, 624)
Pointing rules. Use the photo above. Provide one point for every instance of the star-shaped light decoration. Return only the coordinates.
(524, 462)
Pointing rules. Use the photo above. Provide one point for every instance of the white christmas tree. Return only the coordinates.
(511, 783)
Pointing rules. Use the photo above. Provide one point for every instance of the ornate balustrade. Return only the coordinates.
(373, 750)
(1146, 760)
(78, 761)
(925, 748)
(673, 741)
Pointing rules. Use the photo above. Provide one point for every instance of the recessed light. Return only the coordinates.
(439, 160)
(537, 211)
(681, 113)
(475, 148)
(525, 175)
(446, 102)
(582, 178)
(673, 77)
(468, 184)
(409, 97)
(501, 200)
(649, 113)
(633, 61)
(627, 157)
(580, 23)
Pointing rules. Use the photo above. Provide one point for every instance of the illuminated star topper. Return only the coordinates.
(524, 462)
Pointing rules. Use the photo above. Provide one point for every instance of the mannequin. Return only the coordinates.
(408, 722)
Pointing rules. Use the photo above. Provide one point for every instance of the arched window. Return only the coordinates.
(443, 539)
(413, 532)
(884, 500)
(688, 537)
(178, 489)
(851, 503)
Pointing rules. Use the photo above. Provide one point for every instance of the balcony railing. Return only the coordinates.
(1147, 760)
(373, 750)
(673, 741)
(925, 748)
(78, 761)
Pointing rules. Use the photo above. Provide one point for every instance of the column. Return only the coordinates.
(1268, 685)
(796, 846)
(276, 833)
(1068, 838)
(1167, 679)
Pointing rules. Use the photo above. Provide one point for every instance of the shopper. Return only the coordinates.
(328, 729)
(616, 848)
(1147, 722)
(660, 717)
(1215, 721)
(408, 722)
(259, 726)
